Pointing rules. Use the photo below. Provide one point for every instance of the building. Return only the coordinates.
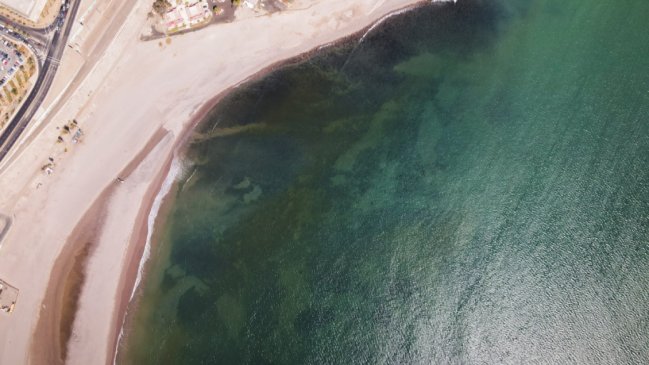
(186, 14)
(30, 9)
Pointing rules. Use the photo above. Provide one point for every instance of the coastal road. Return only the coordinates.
(40, 34)
(55, 46)
(5, 224)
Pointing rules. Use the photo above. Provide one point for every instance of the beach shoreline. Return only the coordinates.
(129, 291)
(152, 169)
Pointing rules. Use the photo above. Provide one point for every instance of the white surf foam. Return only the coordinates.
(392, 14)
(175, 171)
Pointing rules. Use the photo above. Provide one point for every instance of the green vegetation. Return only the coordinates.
(161, 6)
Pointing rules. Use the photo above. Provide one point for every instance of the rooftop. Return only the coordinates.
(30, 9)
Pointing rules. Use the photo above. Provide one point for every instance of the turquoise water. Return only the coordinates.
(470, 184)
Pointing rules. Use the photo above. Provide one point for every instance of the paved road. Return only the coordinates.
(5, 224)
(43, 83)
(38, 34)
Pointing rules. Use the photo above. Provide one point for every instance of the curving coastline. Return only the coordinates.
(141, 136)
(153, 271)
(168, 178)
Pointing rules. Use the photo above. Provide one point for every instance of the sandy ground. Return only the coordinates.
(133, 103)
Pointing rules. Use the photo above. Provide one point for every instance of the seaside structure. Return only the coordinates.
(177, 16)
(251, 3)
(17, 68)
(185, 15)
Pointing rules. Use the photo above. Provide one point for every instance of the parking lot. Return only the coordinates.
(10, 61)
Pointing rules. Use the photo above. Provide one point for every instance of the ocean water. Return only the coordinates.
(468, 184)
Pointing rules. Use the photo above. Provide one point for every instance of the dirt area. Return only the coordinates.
(175, 21)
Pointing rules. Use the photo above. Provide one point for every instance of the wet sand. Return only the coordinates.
(61, 300)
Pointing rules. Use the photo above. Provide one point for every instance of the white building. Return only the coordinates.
(30, 9)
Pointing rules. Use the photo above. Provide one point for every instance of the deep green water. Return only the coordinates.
(470, 184)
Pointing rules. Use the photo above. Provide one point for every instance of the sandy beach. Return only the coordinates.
(77, 235)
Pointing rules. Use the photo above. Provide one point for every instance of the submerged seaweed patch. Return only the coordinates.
(444, 191)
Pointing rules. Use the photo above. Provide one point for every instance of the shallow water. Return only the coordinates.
(469, 184)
